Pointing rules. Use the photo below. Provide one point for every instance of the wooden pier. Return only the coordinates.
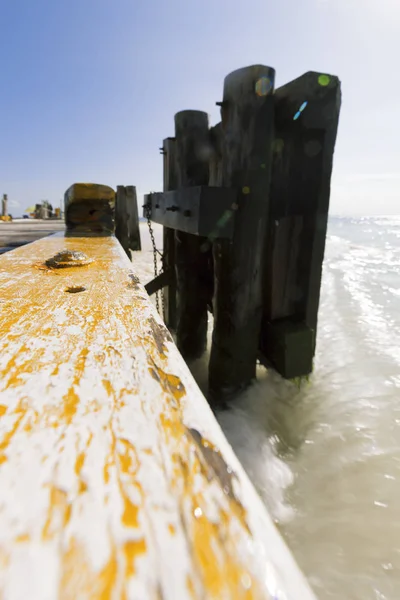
(115, 479)
(248, 200)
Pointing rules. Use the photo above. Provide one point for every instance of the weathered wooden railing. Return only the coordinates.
(248, 200)
(115, 478)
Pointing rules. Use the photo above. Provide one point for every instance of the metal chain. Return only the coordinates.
(155, 252)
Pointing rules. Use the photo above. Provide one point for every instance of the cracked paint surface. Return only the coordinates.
(115, 479)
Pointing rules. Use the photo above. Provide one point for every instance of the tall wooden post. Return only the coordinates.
(5, 205)
(170, 183)
(193, 259)
(127, 219)
(247, 125)
(306, 121)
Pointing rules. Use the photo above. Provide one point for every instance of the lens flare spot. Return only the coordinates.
(324, 80)
(302, 107)
(246, 190)
(278, 145)
(263, 86)
(312, 148)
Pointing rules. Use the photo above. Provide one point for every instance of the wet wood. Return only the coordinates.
(304, 144)
(115, 478)
(193, 259)
(247, 130)
(170, 183)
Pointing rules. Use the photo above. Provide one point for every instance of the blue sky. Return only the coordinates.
(89, 88)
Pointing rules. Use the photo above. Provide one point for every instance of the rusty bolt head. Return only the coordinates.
(68, 258)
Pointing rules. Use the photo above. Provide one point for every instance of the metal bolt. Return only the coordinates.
(68, 258)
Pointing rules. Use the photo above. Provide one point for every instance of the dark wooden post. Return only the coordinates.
(193, 259)
(121, 219)
(247, 125)
(5, 205)
(89, 208)
(133, 219)
(306, 122)
(170, 183)
(215, 178)
(127, 228)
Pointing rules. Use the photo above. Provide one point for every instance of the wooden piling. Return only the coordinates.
(306, 121)
(4, 207)
(169, 292)
(193, 259)
(127, 219)
(89, 208)
(247, 133)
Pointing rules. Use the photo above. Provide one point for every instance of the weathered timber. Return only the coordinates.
(299, 199)
(127, 228)
(170, 183)
(161, 281)
(121, 219)
(115, 478)
(4, 205)
(89, 207)
(193, 259)
(133, 219)
(196, 210)
(216, 137)
(247, 133)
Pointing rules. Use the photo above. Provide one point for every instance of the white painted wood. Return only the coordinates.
(104, 491)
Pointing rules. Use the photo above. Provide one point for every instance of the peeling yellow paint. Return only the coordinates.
(59, 513)
(128, 457)
(132, 550)
(213, 549)
(24, 537)
(130, 514)
(80, 422)
(7, 438)
(79, 580)
(190, 587)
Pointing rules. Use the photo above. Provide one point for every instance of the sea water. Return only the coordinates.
(325, 456)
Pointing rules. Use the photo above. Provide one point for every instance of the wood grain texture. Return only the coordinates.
(303, 147)
(121, 219)
(247, 133)
(127, 228)
(169, 183)
(115, 480)
(194, 268)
